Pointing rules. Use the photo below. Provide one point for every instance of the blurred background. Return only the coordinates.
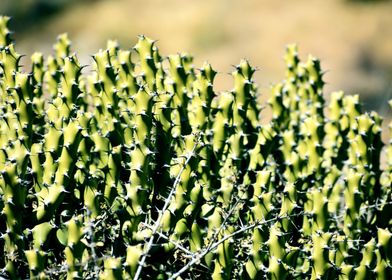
(353, 38)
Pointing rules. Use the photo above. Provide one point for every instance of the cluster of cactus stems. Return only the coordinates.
(135, 168)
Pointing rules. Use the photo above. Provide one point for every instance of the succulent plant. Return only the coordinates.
(140, 169)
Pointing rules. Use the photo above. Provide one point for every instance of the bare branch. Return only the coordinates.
(160, 216)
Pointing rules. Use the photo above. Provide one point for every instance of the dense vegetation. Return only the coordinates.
(136, 168)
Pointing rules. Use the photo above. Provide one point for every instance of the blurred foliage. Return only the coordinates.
(367, 1)
(30, 12)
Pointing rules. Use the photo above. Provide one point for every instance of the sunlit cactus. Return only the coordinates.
(139, 169)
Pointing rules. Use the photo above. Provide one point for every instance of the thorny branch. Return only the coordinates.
(160, 216)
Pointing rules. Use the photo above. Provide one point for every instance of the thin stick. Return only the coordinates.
(160, 216)
(178, 245)
(216, 244)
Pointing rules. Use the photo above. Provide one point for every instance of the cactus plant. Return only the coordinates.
(140, 169)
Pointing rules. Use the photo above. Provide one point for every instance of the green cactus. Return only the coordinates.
(140, 169)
